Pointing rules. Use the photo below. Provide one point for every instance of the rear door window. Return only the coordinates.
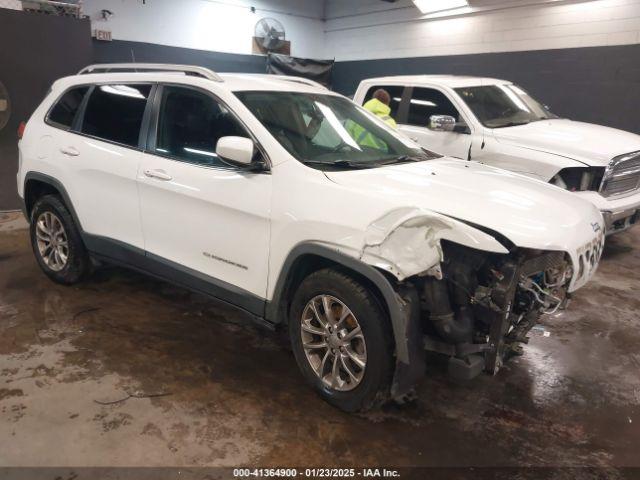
(66, 108)
(114, 113)
(394, 91)
(426, 102)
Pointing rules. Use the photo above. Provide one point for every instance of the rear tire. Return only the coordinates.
(56, 241)
(354, 368)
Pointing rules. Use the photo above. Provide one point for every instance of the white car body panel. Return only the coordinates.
(538, 150)
(593, 145)
(204, 219)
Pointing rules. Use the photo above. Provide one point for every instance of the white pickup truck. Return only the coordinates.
(497, 123)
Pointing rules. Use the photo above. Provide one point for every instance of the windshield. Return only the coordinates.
(327, 131)
(498, 106)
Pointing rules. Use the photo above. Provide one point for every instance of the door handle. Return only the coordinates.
(158, 174)
(70, 151)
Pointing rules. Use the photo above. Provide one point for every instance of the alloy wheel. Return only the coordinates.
(333, 342)
(52, 241)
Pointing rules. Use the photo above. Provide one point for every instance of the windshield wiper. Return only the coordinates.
(341, 164)
(367, 164)
(401, 159)
(511, 124)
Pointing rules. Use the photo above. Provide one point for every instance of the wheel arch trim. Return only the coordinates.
(55, 183)
(392, 301)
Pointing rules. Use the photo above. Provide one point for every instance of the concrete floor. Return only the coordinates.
(229, 394)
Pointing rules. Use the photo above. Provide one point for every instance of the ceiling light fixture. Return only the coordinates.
(431, 6)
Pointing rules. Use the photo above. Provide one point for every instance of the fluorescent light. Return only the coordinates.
(430, 6)
(200, 152)
(123, 90)
(416, 101)
(425, 103)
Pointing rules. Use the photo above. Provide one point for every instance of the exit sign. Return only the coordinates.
(104, 35)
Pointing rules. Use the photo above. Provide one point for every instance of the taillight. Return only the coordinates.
(21, 128)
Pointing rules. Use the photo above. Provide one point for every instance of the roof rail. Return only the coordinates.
(304, 81)
(288, 78)
(152, 67)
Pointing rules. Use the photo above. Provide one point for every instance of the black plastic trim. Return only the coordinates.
(147, 116)
(76, 126)
(41, 177)
(403, 109)
(138, 259)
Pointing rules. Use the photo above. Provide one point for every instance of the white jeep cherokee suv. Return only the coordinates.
(497, 123)
(253, 190)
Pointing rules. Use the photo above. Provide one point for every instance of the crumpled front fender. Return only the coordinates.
(406, 241)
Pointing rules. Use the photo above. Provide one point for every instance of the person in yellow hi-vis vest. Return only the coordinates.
(379, 106)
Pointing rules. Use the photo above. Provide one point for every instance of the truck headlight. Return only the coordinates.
(579, 179)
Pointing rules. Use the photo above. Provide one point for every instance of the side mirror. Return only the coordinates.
(442, 123)
(236, 150)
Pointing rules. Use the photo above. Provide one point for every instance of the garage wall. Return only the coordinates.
(36, 50)
(399, 30)
(119, 51)
(214, 25)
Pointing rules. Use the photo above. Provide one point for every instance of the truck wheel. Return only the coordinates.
(342, 340)
(56, 241)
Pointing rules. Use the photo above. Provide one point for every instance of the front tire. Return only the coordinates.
(56, 241)
(342, 340)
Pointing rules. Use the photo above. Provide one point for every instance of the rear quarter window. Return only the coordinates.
(66, 108)
(114, 113)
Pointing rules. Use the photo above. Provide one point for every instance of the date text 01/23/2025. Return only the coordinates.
(316, 473)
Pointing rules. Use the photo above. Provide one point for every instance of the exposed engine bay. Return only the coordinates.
(478, 307)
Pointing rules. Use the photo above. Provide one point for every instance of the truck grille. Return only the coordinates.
(622, 175)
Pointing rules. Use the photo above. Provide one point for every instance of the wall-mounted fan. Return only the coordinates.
(270, 34)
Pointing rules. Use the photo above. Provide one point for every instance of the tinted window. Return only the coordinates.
(114, 112)
(394, 92)
(64, 111)
(426, 102)
(190, 125)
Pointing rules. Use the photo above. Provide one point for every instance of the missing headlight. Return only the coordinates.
(579, 179)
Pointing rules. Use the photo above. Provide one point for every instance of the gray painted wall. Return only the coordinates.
(36, 50)
(125, 51)
(596, 84)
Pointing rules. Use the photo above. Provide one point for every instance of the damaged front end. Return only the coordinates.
(481, 310)
(475, 304)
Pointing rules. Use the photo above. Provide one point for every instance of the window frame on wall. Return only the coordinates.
(151, 135)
